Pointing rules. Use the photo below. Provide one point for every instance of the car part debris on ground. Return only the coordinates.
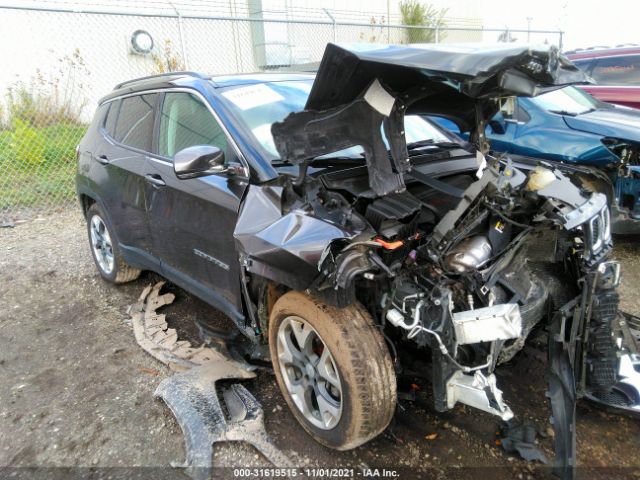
(520, 438)
(157, 339)
(193, 398)
(192, 395)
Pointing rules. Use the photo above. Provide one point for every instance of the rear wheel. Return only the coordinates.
(105, 251)
(333, 368)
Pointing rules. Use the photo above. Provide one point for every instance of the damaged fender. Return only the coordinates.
(283, 247)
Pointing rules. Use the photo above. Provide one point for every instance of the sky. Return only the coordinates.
(585, 22)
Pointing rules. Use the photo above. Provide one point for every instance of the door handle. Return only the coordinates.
(102, 159)
(155, 179)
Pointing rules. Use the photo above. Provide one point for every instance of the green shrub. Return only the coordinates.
(37, 164)
(418, 14)
(39, 131)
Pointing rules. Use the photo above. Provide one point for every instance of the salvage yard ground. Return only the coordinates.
(76, 390)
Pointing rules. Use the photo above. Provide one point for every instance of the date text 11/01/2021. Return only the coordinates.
(315, 473)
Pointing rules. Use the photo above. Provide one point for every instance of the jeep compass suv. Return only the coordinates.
(331, 221)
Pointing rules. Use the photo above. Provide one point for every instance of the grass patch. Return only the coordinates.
(37, 165)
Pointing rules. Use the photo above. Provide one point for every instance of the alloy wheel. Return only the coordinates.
(309, 372)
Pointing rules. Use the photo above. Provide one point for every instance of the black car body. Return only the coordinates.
(324, 201)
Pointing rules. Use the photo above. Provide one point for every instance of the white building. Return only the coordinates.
(83, 50)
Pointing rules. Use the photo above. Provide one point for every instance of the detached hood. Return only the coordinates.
(616, 122)
(360, 88)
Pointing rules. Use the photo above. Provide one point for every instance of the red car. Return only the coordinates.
(616, 72)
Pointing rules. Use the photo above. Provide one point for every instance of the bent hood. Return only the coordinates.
(476, 71)
(360, 88)
(456, 75)
(616, 122)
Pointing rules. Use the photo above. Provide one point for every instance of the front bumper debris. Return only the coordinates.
(624, 395)
(583, 357)
(193, 398)
(192, 395)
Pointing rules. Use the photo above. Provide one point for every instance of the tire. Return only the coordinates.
(116, 270)
(358, 355)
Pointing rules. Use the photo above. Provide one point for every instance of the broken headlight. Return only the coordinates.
(594, 220)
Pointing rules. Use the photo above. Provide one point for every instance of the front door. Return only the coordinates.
(192, 221)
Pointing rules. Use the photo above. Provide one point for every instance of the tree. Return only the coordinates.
(416, 14)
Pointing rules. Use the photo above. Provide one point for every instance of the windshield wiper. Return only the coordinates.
(431, 143)
(573, 114)
(564, 112)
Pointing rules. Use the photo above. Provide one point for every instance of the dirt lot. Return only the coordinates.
(77, 391)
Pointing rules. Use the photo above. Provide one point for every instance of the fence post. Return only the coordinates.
(183, 47)
(561, 33)
(437, 34)
(335, 26)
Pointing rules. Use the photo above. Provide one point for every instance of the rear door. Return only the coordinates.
(192, 221)
(120, 167)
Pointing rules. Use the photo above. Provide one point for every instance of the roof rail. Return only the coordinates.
(160, 75)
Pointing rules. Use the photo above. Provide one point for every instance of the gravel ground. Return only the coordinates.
(77, 391)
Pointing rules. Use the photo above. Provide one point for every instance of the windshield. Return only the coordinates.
(260, 105)
(568, 101)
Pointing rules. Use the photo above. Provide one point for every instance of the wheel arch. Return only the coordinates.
(86, 201)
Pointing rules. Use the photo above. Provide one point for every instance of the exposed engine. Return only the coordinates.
(471, 275)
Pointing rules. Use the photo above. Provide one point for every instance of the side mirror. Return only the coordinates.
(198, 161)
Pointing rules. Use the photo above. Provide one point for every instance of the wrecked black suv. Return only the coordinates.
(331, 221)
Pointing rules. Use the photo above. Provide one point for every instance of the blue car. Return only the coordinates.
(570, 126)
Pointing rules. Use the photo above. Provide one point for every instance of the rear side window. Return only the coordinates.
(185, 122)
(624, 70)
(134, 126)
(112, 116)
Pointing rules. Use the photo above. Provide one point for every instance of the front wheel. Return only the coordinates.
(333, 368)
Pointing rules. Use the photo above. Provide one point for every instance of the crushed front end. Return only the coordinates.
(460, 259)
(522, 255)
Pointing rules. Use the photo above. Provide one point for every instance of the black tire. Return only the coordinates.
(362, 361)
(121, 271)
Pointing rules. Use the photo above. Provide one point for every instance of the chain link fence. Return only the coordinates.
(62, 61)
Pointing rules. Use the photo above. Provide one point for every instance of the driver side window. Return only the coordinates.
(185, 122)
